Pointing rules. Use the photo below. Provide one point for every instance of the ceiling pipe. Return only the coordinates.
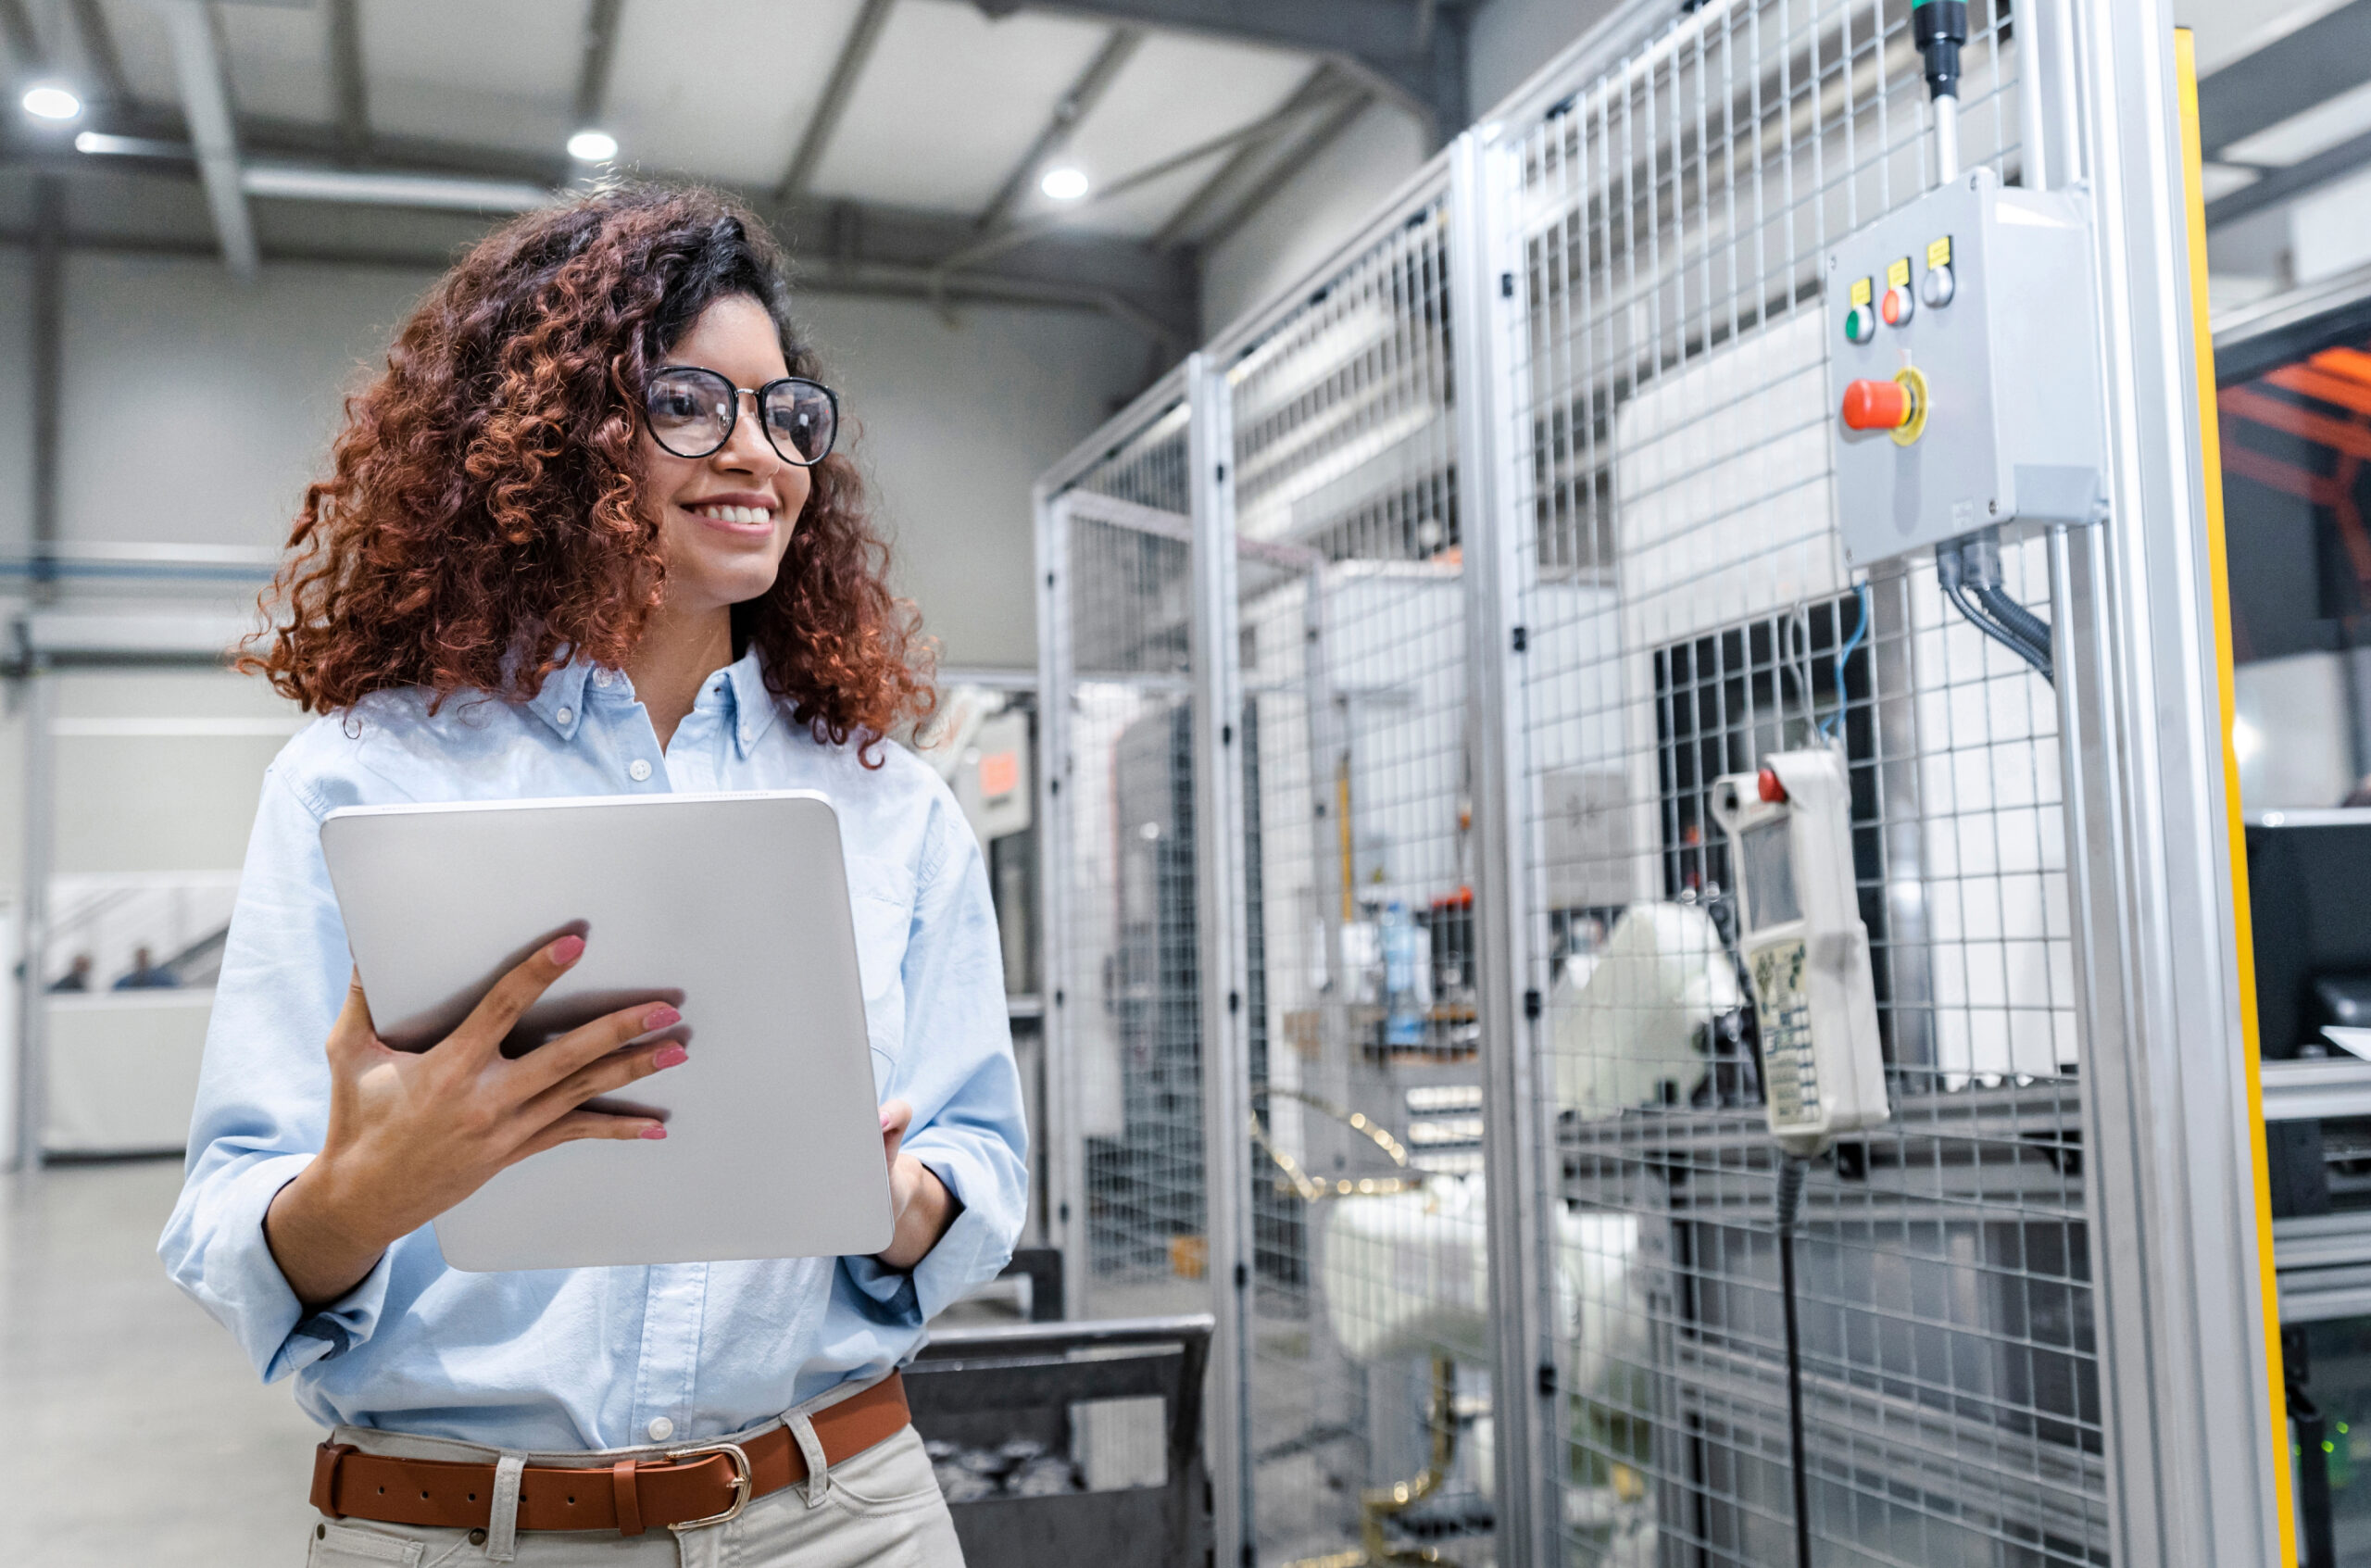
(363, 187)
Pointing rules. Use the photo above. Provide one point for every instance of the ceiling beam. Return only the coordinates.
(1410, 51)
(98, 40)
(2286, 77)
(1074, 106)
(2276, 185)
(349, 84)
(855, 54)
(205, 100)
(601, 54)
(23, 41)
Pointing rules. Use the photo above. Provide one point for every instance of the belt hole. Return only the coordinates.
(383, 1491)
(473, 1496)
(423, 1497)
(572, 1502)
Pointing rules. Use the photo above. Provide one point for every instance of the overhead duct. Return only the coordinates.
(363, 187)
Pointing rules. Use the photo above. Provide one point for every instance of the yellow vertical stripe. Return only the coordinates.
(2210, 451)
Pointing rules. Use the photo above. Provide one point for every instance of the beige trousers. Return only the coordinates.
(880, 1507)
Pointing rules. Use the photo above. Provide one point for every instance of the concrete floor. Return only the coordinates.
(142, 1435)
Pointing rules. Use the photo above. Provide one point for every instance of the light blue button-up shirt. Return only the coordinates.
(592, 1358)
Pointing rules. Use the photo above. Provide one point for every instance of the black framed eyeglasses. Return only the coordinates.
(691, 412)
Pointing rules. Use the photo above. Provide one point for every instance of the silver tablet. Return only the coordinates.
(732, 907)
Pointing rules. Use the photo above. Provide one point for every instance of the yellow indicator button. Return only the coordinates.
(1862, 291)
(1898, 275)
(1938, 253)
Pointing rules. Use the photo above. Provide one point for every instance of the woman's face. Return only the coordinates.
(725, 518)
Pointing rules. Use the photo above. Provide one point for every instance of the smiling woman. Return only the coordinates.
(588, 534)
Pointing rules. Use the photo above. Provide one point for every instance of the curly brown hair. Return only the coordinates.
(484, 521)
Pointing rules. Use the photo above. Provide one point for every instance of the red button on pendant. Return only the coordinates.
(1877, 405)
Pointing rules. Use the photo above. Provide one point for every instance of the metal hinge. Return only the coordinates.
(1242, 1276)
(1548, 1380)
(1234, 1001)
(1523, 638)
(1532, 1005)
(1506, 285)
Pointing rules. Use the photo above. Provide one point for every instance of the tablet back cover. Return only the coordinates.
(734, 907)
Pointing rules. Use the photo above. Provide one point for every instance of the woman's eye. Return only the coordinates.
(671, 404)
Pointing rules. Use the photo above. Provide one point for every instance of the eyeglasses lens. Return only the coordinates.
(690, 411)
(800, 420)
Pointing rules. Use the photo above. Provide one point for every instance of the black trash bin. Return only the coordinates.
(1014, 1388)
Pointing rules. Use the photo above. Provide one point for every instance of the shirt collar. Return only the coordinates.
(753, 705)
(561, 702)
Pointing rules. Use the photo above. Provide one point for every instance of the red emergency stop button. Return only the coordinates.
(1766, 784)
(1877, 405)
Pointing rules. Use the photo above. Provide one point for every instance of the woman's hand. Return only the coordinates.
(920, 1200)
(412, 1134)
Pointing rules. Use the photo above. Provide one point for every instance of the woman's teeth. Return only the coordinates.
(735, 514)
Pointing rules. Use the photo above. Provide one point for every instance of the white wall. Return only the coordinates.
(1323, 205)
(196, 410)
(1511, 39)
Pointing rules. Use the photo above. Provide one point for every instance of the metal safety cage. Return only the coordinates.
(1508, 530)
(1369, 1335)
(1671, 544)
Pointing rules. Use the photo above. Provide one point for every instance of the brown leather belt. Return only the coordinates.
(696, 1485)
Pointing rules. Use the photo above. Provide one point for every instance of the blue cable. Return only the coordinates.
(1843, 655)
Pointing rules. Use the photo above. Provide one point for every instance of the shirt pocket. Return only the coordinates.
(881, 902)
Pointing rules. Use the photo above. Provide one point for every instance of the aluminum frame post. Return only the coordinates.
(1508, 984)
(32, 999)
(2175, 1245)
(1065, 1176)
(1215, 658)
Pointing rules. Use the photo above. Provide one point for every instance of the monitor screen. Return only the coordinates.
(1767, 854)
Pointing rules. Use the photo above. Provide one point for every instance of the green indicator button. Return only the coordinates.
(1860, 324)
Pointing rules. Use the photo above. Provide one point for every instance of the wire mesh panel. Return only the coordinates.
(1690, 612)
(1370, 1338)
(1123, 964)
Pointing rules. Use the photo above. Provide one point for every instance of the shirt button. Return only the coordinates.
(660, 1429)
(638, 769)
(566, 715)
(602, 678)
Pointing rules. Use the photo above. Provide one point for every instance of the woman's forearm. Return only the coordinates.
(318, 1251)
(925, 1211)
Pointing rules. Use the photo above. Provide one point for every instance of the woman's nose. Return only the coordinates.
(747, 449)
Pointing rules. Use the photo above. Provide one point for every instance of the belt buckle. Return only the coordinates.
(743, 1481)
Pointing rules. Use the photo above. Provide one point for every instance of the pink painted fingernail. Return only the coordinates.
(660, 1017)
(669, 1055)
(567, 950)
(654, 1131)
(886, 1120)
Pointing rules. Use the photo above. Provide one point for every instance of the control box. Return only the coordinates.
(1963, 367)
(1804, 947)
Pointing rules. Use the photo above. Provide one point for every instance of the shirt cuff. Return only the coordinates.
(975, 1246)
(242, 1284)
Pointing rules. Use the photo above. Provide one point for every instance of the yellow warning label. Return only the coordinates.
(1862, 291)
(1940, 253)
(1898, 275)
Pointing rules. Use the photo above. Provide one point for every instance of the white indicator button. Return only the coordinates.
(1937, 286)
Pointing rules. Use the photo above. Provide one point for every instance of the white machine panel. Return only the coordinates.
(1974, 300)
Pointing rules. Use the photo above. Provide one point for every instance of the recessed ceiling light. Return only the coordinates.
(591, 146)
(1064, 183)
(48, 100)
